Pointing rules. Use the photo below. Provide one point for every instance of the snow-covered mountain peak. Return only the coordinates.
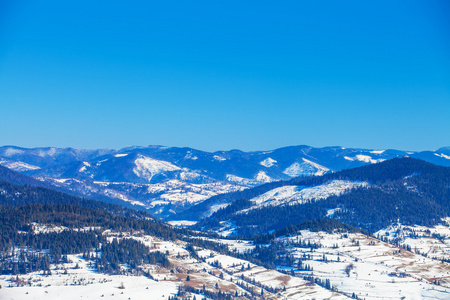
(146, 167)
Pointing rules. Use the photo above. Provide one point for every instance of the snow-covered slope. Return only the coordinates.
(305, 168)
(163, 198)
(366, 267)
(365, 158)
(289, 195)
(268, 162)
(147, 167)
(17, 166)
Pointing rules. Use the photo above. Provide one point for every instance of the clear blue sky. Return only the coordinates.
(218, 75)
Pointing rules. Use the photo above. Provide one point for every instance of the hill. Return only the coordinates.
(405, 190)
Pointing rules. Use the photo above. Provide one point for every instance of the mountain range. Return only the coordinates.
(168, 181)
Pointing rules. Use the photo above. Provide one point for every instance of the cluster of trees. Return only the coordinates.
(327, 225)
(24, 261)
(17, 232)
(22, 250)
(130, 252)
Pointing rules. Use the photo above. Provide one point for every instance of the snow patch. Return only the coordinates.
(182, 223)
(215, 208)
(219, 158)
(268, 162)
(331, 212)
(172, 191)
(83, 168)
(442, 155)
(187, 175)
(18, 166)
(121, 155)
(364, 158)
(377, 151)
(241, 181)
(146, 167)
(190, 156)
(263, 177)
(307, 167)
(12, 151)
(50, 152)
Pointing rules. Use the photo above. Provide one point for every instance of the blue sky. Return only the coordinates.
(218, 75)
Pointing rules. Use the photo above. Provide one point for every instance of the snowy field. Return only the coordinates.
(210, 271)
(83, 283)
(370, 268)
(433, 242)
(352, 263)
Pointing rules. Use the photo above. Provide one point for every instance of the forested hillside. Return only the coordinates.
(403, 190)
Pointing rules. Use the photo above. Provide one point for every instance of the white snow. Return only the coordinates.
(50, 152)
(187, 175)
(380, 270)
(146, 167)
(182, 223)
(84, 167)
(268, 162)
(13, 151)
(377, 151)
(121, 155)
(242, 181)
(178, 191)
(364, 158)
(442, 155)
(434, 241)
(263, 177)
(85, 283)
(299, 194)
(18, 166)
(306, 167)
(219, 158)
(150, 195)
(189, 155)
(215, 208)
(331, 212)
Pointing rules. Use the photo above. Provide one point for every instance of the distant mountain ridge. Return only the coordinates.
(169, 180)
